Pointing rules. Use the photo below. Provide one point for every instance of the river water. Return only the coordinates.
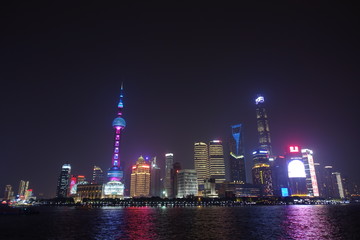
(250, 222)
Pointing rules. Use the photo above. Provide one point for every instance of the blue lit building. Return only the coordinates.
(236, 158)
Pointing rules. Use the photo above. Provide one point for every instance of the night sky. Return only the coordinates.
(189, 72)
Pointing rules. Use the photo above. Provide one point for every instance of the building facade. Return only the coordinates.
(169, 161)
(98, 175)
(201, 163)
(216, 161)
(263, 125)
(140, 179)
(63, 181)
(296, 171)
(237, 155)
(311, 179)
(155, 179)
(187, 183)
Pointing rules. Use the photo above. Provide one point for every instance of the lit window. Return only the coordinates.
(116, 150)
(117, 143)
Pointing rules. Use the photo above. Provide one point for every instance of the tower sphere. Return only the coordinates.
(119, 122)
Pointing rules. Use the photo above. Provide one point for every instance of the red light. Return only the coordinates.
(294, 149)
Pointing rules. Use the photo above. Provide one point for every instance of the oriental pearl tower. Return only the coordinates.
(115, 186)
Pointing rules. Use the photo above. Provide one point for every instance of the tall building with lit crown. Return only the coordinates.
(63, 181)
(263, 125)
(311, 179)
(216, 160)
(169, 161)
(115, 187)
(140, 179)
(236, 158)
(201, 163)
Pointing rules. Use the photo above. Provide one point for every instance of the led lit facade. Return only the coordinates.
(262, 178)
(311, 179)
(115, 185)
(236, 158)
(216, 160)
(140, 179)
(263, 125)
(187, 183)
(296, 171)
(63, 181)
(201, 163)
(169, 161)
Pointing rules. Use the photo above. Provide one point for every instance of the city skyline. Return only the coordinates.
(186, 81)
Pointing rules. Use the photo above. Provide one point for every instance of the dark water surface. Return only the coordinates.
(255, 222)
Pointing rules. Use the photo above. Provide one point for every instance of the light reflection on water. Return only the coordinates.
(143, 223)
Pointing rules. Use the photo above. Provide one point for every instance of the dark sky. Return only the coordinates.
(189, 72)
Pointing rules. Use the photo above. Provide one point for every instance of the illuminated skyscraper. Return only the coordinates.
(169, 161)
(98, 175)
(216, 160)
(115, 187)
(63, 181)
(201, 162)
(140, 179)
(261, 173)
(311, 179)
(263, 125)
(237, 159)
(296, 171)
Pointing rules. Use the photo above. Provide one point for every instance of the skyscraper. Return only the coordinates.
(261, 172)
(216, 160)
(155, 179)
(23, 187)
(263, 125)
(237, 159)
(98, 175)
(311, 179)
(63, 181)
(296, 171)
(169, 161)
(327, 181)
(8, 195)
(174, 179)
(115, 187)
(201, 162)
(338, 185)
(140, 179)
